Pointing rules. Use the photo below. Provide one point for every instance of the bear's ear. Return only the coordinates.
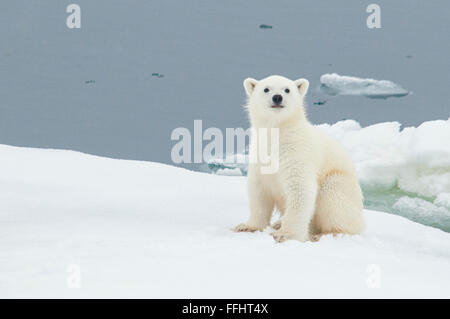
(302, 85)
(249, 85)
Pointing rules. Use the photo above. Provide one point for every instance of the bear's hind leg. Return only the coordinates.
(339, 207)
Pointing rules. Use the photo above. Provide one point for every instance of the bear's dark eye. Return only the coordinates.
(266, 90)
(287, 91)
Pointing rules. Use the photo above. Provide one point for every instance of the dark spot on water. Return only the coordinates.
(265, 26)
(409, 56)
(158, 75)
(320, 102)
(89, 82)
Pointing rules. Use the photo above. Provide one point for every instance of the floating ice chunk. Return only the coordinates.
(375, 155)
(423, 211)
(224, 166)
(426, 169)
(424, 180)
(229, 172)
(341, 128)
(443, 199)
(430, 143)
(335, 84)
(419, 206)
(416, 159)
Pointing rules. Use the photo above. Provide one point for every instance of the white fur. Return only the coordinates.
(315, 189)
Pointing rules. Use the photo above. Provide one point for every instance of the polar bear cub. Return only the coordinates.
(315, 188)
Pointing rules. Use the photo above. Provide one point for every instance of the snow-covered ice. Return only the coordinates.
(142, 229)
(335, 84)
(416, 159)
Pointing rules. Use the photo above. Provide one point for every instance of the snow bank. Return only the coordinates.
(236, 164)
(139, 229)
(422, 211)
(335, 84)
(416, 159)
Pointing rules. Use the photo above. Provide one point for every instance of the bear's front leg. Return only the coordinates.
(300, 205)
(261, 206)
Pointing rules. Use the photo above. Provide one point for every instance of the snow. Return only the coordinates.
(335, 84)
(416, 159)
(143, 229)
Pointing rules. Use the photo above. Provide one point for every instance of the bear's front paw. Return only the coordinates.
(283, 235)
(246, 228)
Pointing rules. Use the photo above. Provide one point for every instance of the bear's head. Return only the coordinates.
(275, 99)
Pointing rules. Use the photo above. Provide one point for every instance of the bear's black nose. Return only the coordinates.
(277, 98)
